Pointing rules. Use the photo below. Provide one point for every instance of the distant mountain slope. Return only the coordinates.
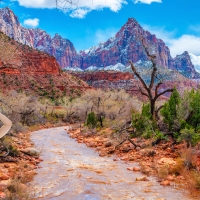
(125, 46)
(23, 68)
(62, 49)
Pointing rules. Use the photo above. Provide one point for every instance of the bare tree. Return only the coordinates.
(151, 90)
(64, 4)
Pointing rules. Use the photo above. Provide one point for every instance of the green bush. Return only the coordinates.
(170, 109)
(189, 136)
(92, 120)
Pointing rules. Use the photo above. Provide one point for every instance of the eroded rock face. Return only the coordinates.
(62, 49)
(35, 72)
(126, 81)
(125, 46)
(184, 65)
(40, 63)
(27, 60)
(104, 75)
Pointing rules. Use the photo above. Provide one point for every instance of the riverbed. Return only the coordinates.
(72, 171)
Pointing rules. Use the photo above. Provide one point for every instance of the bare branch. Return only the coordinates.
(165, 91)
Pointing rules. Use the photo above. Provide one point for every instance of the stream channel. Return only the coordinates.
(72, 171)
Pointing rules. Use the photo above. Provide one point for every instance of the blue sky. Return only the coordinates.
(177, 22)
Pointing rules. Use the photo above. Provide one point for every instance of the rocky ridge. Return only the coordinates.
(125, 46)
(57, 46)
(34, 71)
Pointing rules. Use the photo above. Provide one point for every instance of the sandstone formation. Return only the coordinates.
(57, 46)
(125, 46)
(35, 72)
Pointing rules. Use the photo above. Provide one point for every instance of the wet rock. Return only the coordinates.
(102, 154)
(143, 178)
(170, 178)
(130, 168)
(165, 183)
(136, 169)
(31, 151)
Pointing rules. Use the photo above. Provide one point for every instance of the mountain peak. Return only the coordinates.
(132, 20)
(8, 15)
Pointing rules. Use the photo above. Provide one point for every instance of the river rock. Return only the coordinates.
(30, 151)
(130, 168)
(170, 178)
(136, 169)
(143, 178)
(165, 183)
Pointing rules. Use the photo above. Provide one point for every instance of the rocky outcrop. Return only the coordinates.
(35, 72)
(183, 64)
(126, 81)
(25, 59)
(104, 75)
(62, 49)
(125, 46)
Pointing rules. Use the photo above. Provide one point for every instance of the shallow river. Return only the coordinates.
(72, 171)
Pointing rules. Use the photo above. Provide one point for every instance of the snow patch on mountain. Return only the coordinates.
(196, 61)
(73, 69)
(92, 68)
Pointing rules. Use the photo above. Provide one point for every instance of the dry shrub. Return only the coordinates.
(177, 168)
(193, 181)
(163, 171)
(17, 191)
(188, 156)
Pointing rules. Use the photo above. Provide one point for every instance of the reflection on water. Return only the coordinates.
(72, 171)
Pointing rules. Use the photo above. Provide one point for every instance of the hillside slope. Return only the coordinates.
(23, 68)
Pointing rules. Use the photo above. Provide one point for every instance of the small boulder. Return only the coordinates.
(136, 169)
(143, 178)
(130, 168)
(30, 151)
(165, 183)
(170, 178)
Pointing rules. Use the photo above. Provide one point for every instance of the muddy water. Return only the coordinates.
(72, 171)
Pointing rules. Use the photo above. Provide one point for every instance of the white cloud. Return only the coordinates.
(79, 13)
(79, 8)
(188, 43)
(32, 22)
(195, 61)
(177, 45)
(147, 1)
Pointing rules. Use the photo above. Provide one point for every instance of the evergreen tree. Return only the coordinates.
(92, 120)
(169, 111)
